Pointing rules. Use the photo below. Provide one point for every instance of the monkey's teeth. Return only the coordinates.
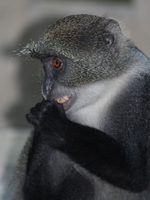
(62, 100)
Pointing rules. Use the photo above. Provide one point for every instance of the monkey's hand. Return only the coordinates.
(93, 149)
(47, 117)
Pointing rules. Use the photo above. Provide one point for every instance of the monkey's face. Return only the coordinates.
(55, 69)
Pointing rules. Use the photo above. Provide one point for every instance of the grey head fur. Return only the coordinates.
(81, 39)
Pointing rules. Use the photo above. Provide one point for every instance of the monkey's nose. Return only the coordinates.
(46, 89)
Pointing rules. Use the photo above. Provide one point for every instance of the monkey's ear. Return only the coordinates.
(112, 34)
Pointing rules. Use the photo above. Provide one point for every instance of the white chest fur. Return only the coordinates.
(94, 101)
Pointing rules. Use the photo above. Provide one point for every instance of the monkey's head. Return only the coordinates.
(75, 52)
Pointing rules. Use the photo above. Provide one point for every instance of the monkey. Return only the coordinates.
(91, 137)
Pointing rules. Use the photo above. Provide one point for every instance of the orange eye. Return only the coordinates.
(42, 63)
(56, 62)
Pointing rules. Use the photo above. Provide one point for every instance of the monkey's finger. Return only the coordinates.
(32, 119)
(61, 110)
(35, 111)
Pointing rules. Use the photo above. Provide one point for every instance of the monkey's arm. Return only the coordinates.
(96, 151)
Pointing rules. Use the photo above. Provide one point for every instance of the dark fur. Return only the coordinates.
(67, 160)
(122, 161)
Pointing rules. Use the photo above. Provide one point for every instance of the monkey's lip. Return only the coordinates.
(63, 99)
(67, 101)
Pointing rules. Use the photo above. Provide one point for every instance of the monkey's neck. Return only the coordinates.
(96, 114)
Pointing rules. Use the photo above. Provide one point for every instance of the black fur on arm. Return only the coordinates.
(94, 150)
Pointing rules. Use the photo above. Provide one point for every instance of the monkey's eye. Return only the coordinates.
(56, 62)
(42, 63)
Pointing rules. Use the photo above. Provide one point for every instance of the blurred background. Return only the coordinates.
(22, 20)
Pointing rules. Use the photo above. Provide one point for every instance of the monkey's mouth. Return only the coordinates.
(63, 100)
(66, 101)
